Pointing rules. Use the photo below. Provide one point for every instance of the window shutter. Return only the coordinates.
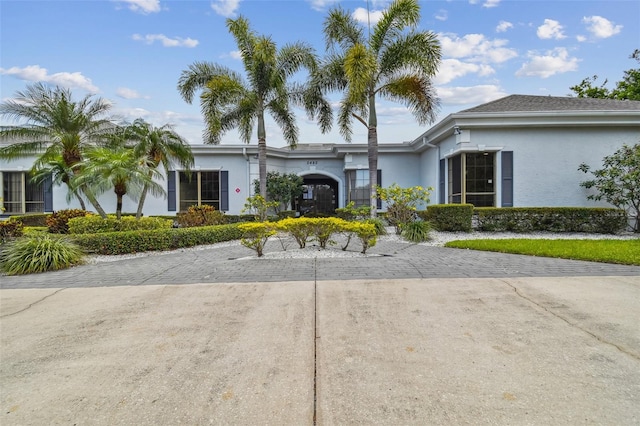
(507, 178)
(441, 173)
(224, 190)
(171, 191)
(379, 180)
(47, 187)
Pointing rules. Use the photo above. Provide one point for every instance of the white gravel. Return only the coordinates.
(438, 239)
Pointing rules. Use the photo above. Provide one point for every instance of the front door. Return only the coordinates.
(319, 197)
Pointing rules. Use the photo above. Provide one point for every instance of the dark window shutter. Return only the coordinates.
(224, 190)
(47, 187)
(456, 165)
(379, 180)
(171, 191)
(441, 173)
(507, 178)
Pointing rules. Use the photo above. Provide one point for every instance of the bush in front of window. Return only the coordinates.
(552, 219)
(203, 215)
(402, 203)
(32, 219)
(9, 230)
(112, 243)
(58, 222)
(95, 224)
(39, 253)
(449, 217)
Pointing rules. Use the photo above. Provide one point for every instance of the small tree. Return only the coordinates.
(259, 207)
(281, 188)
(618, 182)
(402, 203)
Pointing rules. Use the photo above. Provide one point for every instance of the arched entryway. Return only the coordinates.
(319, 197)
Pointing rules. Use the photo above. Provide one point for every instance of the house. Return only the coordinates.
(517, 151)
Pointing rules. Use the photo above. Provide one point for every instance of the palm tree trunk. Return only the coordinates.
(372, 152)
(118, 206)
(94, 202)
(83, 206)
(143, 196)
(262, 156)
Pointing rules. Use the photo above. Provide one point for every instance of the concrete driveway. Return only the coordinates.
(527, 350)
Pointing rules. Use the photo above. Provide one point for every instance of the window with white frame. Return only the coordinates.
(20, 195)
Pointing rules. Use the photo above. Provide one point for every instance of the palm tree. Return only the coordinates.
(395, 61)
(161, 146)
(228, 102)
(117, 167)
(60, 173)
(54, 127)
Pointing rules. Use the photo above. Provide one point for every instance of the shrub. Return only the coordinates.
(417, 231)
(238, 218)
(402, 203)
(324, 228)
(351, 212)
(365, 232)
(552, 219)
(285, 214)
(449, 217)
(10, 229)
(256, 234)
(32, 219)
(39, 253)
(58, 222)
(111, 243)
(378, 224)
(204, 215)
(96, 224)
(259, 207)
(300, 229)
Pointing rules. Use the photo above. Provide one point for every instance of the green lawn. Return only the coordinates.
(626, 252)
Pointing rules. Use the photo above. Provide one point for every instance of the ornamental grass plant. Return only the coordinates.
(39, 253)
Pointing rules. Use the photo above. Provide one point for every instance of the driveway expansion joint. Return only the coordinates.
(574, 325)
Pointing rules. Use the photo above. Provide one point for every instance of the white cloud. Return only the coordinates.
(503, 26)
(450, 69)
(321, 5)
(556, 61)
(476, 48)
(236, 54)
(491, 3)
(442, 15)
(550, 29)
(472, 95)
(69, 80)
(127, 93)
(581, 38)
(226, 8)
(601, 27)
(166, 41)
(362, 15)
(143, 6)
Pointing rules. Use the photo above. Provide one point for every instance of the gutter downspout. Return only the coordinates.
(430, 145)
(248, 177)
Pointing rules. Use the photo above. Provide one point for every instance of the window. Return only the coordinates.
(358, 187)
(472, 179)
(199, 188)
(20, 195)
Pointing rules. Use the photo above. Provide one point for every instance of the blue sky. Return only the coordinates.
(132, 52)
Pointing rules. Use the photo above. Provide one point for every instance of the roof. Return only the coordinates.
(527, 103)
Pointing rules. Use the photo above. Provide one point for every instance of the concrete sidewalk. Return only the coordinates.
(501, 350)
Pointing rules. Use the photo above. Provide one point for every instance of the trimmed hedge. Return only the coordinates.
(96, 224)
(552, 219)
(449, 217)
(33, 219)
(111, 243)
(58, 222)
